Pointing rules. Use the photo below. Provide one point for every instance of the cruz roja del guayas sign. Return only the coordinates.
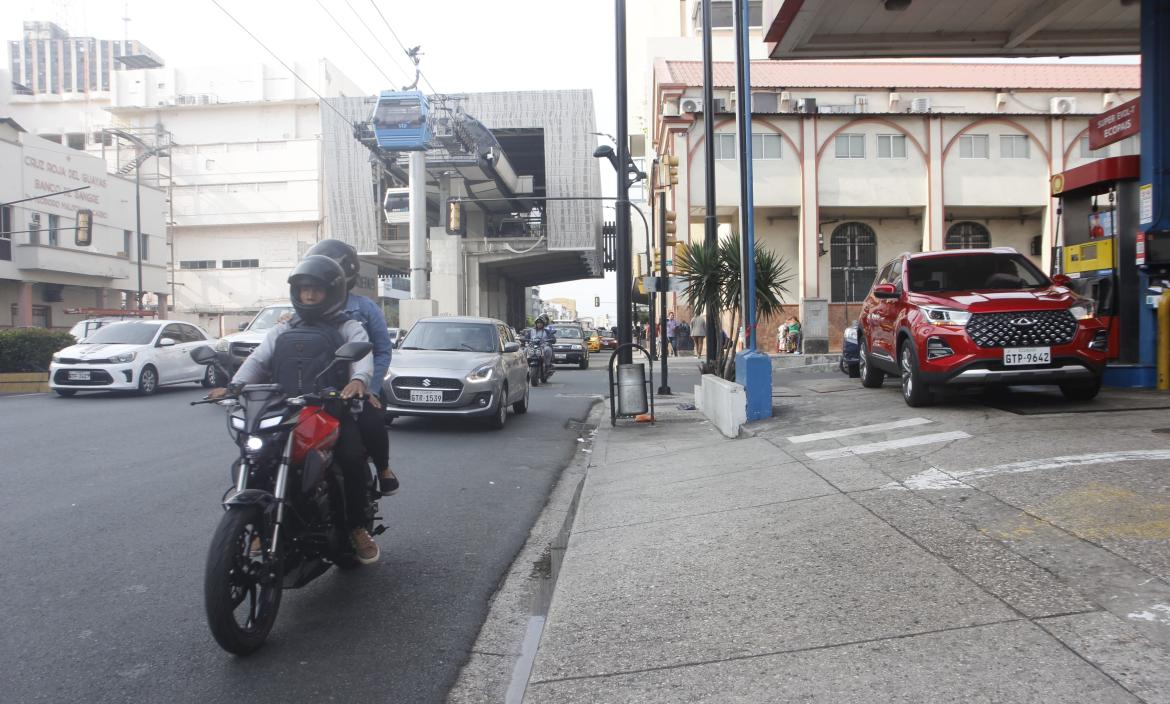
(1115, 125)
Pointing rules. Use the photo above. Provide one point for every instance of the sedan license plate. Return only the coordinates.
(78, 376)
(426, 396)
(1027, 355)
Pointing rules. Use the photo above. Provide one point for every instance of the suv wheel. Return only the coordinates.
(871, 378)
(914, 391)
(1085, 391)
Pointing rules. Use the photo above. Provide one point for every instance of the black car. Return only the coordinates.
(849, 354)
(570, 347)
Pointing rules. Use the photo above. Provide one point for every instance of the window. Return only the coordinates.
(6, 233)
(144, 247)
(34, 228)
(853, 254)
(973, 146)
(766, 146)
(240, 264)
(967, 235)
(725, 145)
(1129, 146)
(197, 264)
(891, 146)
(127, 237)
(41, 316)
(1013, 146)
(850, 146)
(191, 333)
(54, 226)
(723, 14)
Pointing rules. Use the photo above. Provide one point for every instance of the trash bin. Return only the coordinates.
(631, 389)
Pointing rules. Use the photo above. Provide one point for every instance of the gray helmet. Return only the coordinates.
(322, 271)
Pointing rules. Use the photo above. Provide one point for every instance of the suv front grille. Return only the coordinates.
(1024, 329)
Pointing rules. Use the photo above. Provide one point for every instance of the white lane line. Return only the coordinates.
(875, 428)
(872, 447)
(935, 478)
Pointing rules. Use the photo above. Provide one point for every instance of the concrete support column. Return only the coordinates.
(809, 227)
(934, 224)
(162, 305)
(418, 225)
(99, 298)
(1048, 232)
(447, 280)
(24, 299)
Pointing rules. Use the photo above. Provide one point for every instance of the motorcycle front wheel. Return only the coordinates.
(241, 588)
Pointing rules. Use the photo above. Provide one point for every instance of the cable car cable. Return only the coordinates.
(354, 42)
(296, 75)
(412, 55)
(374, 34)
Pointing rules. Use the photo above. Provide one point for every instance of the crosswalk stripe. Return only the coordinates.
(872, 447)
(875, 428)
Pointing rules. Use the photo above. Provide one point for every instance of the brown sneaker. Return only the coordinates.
(364, 546)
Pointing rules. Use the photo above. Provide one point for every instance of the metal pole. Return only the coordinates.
(418, 225)
(743, 118)
(663, 390)
(649, 271)
(138, 225)
(710, 227)
(622, 227)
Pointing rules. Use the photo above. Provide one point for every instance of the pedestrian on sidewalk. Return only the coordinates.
(794, 335)
(698, 333)
(782, 336)
(671, 333)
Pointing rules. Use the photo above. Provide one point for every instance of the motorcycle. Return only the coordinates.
(283, 523)
(538, 364)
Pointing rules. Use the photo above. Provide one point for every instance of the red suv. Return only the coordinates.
(978, 316)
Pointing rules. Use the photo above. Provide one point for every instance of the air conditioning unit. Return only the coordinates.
(895, 98)
(690, 105)
(807, 105)
(860, 102)
(785, 98)
(1000, 100)
(721, 107)
(1063, 105)
(920, 105)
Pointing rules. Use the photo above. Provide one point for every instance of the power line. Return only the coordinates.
(354, 41)
(324, 100)
(412, 55)
(389, 54)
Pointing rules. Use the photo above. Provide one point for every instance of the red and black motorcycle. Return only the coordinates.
(283, 523)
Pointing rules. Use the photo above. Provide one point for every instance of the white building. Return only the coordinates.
(856, 162)
(43, 272)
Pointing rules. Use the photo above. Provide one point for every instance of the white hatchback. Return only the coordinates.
(135, 355)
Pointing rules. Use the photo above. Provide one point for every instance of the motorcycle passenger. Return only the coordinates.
(541, 333)
(369, 314)
(294, 352)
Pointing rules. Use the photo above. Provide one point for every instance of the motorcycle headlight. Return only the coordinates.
(271, 422)
(124, 357)
(238, 422)
(482, 374)
(222, 346)
(851, 334)
(939, 315)
(1084, 309)
(254, 443)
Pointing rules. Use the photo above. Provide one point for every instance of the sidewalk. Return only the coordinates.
(701, 569)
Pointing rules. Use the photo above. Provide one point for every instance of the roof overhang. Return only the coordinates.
(809, 29)
(1098, 176)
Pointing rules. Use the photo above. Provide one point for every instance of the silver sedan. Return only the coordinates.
(458, 367)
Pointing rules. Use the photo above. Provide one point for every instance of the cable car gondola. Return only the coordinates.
(401, 121)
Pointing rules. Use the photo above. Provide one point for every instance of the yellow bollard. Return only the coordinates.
(1164, 342)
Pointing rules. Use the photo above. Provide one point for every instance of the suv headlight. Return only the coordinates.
(1083, 309)
(576, 347)
(482, 374)
(124, 357)
(222, 346)
(939, 315)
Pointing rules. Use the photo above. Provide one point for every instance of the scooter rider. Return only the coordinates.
(369, 314)
(294, 352)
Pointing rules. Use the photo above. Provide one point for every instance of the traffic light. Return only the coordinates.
(83, 234)
(455, 223)
(671, 163)
(671, 227)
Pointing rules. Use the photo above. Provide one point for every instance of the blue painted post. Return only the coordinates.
(753, 368)
(1155, 116)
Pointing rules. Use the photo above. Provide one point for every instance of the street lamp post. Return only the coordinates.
(622, 226)
(140, 158)
(710, 228)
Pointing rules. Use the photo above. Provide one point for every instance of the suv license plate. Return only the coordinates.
(560, 356)
(78, 376)
(1027, 355)
(426, 396)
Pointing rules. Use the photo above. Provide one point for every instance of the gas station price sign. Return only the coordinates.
(1115, 125)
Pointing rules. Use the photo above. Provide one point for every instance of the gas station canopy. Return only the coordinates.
(811, 29)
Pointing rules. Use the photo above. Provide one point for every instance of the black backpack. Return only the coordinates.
(303, 351)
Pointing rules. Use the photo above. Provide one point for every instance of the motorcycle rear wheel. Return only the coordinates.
(241, 591)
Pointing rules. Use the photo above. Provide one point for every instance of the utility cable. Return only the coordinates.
(412, 54)
(354, 41)
(374, 34)
(324, 100)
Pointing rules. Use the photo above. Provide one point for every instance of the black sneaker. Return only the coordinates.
(388, 485)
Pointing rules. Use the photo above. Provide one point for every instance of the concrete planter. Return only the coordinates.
(723, 402)
(24, 383)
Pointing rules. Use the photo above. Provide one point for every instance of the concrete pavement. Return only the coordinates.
(857, 550)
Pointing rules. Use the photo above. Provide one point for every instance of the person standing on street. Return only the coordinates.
(698, 333)
(671, 332)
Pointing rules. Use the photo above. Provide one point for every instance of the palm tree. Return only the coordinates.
(712, 277)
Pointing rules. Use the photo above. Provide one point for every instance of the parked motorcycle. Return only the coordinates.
(538, 363)
(283, 523)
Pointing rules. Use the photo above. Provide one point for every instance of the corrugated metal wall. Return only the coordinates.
(351, 212)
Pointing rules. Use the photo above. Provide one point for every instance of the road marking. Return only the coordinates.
(935, 478)
(872, 447)
(875, 428)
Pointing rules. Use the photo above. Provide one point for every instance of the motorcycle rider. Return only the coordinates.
(541, 333)
(369, 314)
(294, 352)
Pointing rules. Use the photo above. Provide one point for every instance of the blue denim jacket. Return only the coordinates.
(366, 312)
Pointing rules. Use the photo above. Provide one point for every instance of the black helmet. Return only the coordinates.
(321, 271)
(342, 253)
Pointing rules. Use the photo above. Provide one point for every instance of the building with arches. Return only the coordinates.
(856, 162)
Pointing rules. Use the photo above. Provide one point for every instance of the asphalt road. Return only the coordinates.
(107, 506)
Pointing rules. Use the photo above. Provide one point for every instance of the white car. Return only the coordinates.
(139, 355)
